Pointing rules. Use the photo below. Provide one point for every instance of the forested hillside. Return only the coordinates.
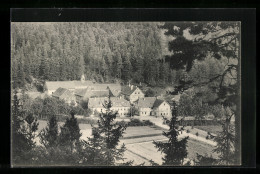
(105, 52)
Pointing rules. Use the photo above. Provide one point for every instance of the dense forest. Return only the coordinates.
(104, 52)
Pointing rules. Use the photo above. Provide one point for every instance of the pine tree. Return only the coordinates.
(49, 135)
(174, 150)
(225, 141)
(102, 148)
(70, 133)
(24, 127)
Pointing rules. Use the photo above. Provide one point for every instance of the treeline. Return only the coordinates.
(103, 51)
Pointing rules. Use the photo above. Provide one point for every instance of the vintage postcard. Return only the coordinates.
(125, 93)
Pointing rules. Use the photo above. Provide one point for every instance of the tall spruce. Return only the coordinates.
(24, 127)
(174, 150)
(103, 147)
(49, 135)
(226, 141)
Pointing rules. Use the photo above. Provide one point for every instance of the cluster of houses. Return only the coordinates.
(123, 98)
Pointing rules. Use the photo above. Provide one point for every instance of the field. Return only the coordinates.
(139, 143)
(211, 128)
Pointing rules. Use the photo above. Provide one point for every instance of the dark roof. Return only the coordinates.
(115, 89)
(59, 92)
(157, 103)
(127, 90)
(146, 102)
(81, 92)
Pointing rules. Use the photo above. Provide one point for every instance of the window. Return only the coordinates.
(145, 113)
(161, 113)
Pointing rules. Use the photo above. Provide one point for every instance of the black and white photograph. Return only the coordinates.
(163, 93)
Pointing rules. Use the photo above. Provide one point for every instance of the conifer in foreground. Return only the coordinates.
(174, 150)
(103, 147)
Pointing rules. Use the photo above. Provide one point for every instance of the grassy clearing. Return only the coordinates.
(211, 128)
(142, 130)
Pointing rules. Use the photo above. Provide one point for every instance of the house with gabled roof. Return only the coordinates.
(152, 106)
(64, 94)
(119, 104)
(145, 106)
(132, 93)
(161, 108)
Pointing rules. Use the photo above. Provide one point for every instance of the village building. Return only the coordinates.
(152, 106)
(162, 108)
(51, 86)
(132, 93)
(86, 93)
(119, 104)
(66, 95)
(145, 106)
(98, 90)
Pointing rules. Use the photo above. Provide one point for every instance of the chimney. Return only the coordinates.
(132, 87)
(120, 97)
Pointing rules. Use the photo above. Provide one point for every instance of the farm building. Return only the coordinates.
(119, 104)
(132, 93)
(51, 86)
(149, 106)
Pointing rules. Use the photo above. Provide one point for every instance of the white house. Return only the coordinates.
(132, 93)
(119, 104)
(151, 106)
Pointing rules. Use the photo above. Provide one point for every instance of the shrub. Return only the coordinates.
(137, 122)
(197, 134)
(188, 131)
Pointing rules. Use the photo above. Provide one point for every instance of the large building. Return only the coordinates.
(132, 93)
(119, 104)
(151, 106)
(51, 86)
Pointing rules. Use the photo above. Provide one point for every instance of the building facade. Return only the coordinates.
(132, 93)
(151, 106)
(119, 104)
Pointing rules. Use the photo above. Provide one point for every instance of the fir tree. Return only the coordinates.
(24, 127)
(102, 148)
(49, 135)
(225, 141)
(174, 150)
(70, 133)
